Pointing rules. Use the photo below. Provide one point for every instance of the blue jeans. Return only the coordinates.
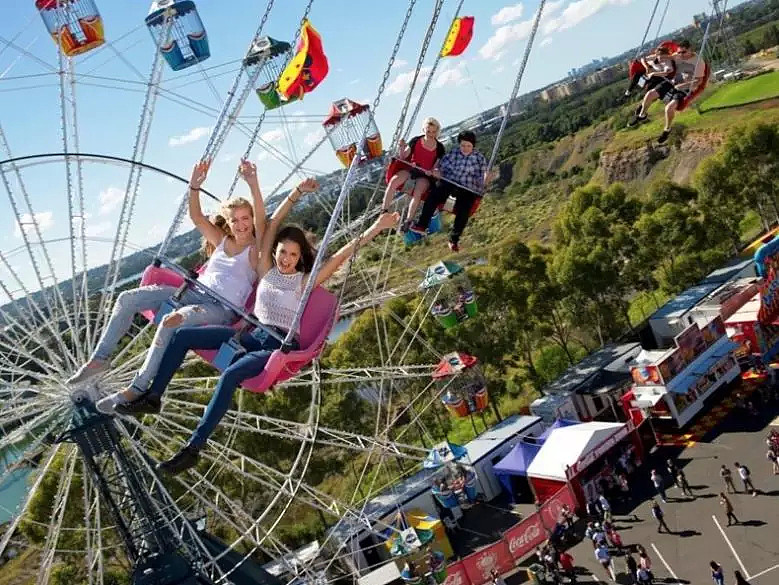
(258, 345)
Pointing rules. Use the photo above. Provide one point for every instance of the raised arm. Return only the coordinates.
(248, 172)
(272, 227)
(209, 231)
(384, 221)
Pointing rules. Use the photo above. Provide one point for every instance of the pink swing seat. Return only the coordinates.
(320, 314)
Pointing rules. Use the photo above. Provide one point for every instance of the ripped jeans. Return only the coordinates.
(196, 309)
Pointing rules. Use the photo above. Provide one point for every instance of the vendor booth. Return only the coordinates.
(587, 456)
(511, 471)
(672, 385)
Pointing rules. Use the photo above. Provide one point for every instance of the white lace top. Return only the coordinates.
(278, 297)
(231, 277)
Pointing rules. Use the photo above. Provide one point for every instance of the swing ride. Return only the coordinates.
(95, 500)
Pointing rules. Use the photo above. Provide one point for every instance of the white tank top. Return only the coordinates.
(231, 277)
(278, 297)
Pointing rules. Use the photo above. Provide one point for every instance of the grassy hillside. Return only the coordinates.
(744, 92)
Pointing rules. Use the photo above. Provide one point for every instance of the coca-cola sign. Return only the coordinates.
(495, 557)
(456, 575)
(525, 536)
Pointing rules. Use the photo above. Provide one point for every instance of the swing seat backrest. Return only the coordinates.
(698, 90)
(319, 316)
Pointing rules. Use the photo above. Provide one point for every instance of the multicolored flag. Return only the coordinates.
(459, 36)
(308, 67)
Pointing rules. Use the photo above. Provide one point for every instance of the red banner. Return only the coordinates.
(522, 538)
(456, 575)
(479, 565)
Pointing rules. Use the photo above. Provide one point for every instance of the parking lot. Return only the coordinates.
(700, 531)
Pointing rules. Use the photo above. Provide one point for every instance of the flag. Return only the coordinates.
(308, 67)
(459, 36)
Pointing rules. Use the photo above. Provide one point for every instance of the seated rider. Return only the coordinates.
(463, 174)
(658, 66)
(690, 74)
(230, 272)
(285, 264)
(422, 152)
(459, 306)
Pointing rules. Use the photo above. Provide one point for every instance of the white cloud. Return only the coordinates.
(402, 81)
(313, 137)
(578, 11)
(507, 14)
(503, 37)
(192, 136)
(399, 64)
(45, 221)
(272, 135)
(98, 229)
(264, 155)
(545, 42)
(354, 81)
(499, 69)
(451, 76)
(110, 199)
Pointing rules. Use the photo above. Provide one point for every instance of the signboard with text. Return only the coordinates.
(479, 565)
(767, 261)
(456, 575)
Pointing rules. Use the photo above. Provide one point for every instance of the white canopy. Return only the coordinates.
(568, 445)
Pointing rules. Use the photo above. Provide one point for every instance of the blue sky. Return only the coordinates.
(358, 38)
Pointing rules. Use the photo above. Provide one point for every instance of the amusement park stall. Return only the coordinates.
(413, 496)
(582, 456)
(755, 325)
(671, 385)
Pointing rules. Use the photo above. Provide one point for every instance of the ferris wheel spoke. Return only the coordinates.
(296, 431)
(16, 349)
(25, 504)
(36, 318)
(59, 507)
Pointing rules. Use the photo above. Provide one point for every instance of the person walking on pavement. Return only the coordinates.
(771, 456)
(727, 477)
(659, 483)
(746, 478)
(717, 574)
(673, 471)
(604, 558)
(740, 578)
(606, 507)
(566, 564)
(643, 577)
(659, 515)
(681, 481)
(725, 503)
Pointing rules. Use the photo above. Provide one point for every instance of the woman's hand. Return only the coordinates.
(308, 185)
(386, 221)
(248, 171)
(199, 174)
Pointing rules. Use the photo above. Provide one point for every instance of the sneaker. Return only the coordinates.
(108, 404)
(636, 120)
(181, 461)
(89, 370)
(144, 404)
(417, 229)
(664, 136)
(454, 246)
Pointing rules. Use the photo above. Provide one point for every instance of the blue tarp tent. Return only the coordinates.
(443, 453)
(515, 463)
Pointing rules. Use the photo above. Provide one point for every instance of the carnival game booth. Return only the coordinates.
(672, 385)
(584, 456)
(414, 495)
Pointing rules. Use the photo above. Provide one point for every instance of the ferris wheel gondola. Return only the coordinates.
(75, 25)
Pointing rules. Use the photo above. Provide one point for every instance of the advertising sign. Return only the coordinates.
(589, 458)
(646, 375)
(767, 260)
(690, 343)
(479, 565)
(713, 330)
(456, 575)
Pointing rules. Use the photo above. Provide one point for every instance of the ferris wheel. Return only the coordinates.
(91, 496)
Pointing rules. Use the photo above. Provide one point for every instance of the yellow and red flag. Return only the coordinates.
(308, 67)
(459, 36)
